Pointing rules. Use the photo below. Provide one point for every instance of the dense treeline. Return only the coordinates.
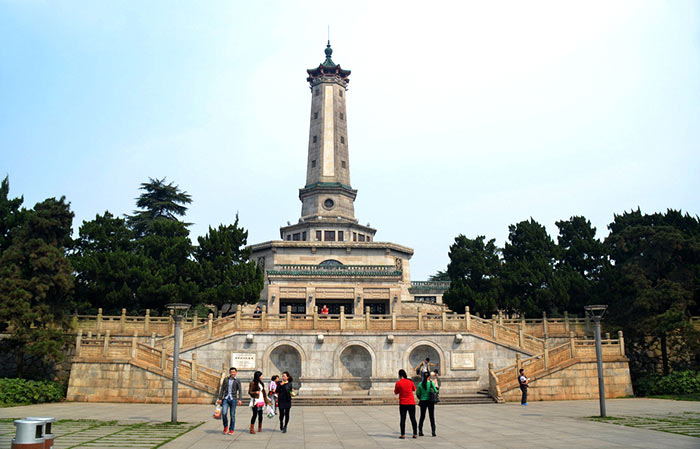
(647, 270)
(145, 260)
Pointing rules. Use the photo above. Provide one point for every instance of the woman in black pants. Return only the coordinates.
(284, 392)
(256, 390)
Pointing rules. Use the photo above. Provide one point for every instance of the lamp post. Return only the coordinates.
(179, 311)
(596, 312)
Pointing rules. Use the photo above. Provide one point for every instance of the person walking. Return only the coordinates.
(426, 402)
(524, 382)
(229, 390)
(407, 404)
(272, 391)
(285, 392)
(259, 398)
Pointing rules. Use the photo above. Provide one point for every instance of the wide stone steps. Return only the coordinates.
(473, 398)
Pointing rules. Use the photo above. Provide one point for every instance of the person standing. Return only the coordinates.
(256, 390)
(524, 382)
(272, 391)
(407, 404)
(423, 392)
(423, 367)
(229, 390)
(324, 310)
(284, 392)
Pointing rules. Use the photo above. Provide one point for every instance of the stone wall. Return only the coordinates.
(364, 363)
(123, 382)
(579, 381)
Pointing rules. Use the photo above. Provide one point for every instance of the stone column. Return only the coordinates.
(147, 322)
(521, 337)
(566, 321)
(78, 342)
(194, 366)
(342, 318)
(621, 343)
(122, 321)
(544, 324)
(210, 325)
(134, 341)
(105, 347)
(99, 320)
(572, 344)
(367, 318)
(467, 318)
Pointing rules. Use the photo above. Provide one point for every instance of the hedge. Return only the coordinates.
(22, 391)
(679, 382)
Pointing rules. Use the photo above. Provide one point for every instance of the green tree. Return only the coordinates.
(581, 259)
(35, 282)
(473, 269)
(160, 201)
(654, 283)
(226, 274)
(440, 276)
(10, 214)
(529, 281)
(107, 268)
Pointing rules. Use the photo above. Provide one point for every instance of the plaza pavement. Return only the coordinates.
(559, 424)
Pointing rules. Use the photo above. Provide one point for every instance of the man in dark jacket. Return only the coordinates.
(229, 390)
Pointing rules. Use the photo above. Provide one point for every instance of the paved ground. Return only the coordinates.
(539, 425)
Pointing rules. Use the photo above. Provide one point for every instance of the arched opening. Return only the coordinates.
(355, 369)
(285, 358)
(420, 353)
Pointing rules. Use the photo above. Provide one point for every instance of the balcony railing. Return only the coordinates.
(335, 270)
(429, 286)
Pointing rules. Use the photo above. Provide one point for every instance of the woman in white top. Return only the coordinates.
(256, 390)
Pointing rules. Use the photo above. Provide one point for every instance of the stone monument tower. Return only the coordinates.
(327, 198)
(328, 258)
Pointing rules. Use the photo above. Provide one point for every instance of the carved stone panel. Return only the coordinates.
(335, 293)
(293, 292)
(463, 360)
(376, 293)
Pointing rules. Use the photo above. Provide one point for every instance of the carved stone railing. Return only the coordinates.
(126, 325)
(443, 322)
(301, 270)
(550, 327)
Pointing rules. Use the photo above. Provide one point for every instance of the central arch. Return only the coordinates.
(421, 349)
(355, 364)
(285, 355)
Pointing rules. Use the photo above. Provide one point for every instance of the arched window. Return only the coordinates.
(330, 263)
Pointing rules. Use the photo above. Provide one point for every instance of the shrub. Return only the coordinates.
(679, 382)
(22, 391)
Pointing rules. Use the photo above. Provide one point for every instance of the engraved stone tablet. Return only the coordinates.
(463, 360)
(243, 360)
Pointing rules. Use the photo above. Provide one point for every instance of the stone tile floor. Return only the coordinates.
(560, 424)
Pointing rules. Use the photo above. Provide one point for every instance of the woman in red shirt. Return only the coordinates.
(407, 404)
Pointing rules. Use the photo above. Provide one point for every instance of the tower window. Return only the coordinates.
(317, 91)
(354, 236)
(342, 116)
(289, 236)
(340, 236)
(341, 92)
(362, 237)
(318, 235)
(315, 137)
(315, 115)
(296, 237)
(313, 163)
(303, 236)
(342, 164)
(329, 236)
(342, 139)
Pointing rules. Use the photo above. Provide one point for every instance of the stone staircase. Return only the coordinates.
(550, 361)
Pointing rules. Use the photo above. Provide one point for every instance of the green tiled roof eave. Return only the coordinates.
(335, 273)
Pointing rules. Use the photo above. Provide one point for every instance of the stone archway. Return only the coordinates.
(355, 369)
(285, 355)
(285, 358)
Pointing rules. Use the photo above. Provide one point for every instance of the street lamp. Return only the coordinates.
(596, 312)
(178, 310)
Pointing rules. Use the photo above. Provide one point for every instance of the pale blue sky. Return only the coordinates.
(463, 117)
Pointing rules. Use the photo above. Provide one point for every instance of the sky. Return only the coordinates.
(463, 117)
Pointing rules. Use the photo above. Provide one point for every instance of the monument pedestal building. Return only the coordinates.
(328, 258)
